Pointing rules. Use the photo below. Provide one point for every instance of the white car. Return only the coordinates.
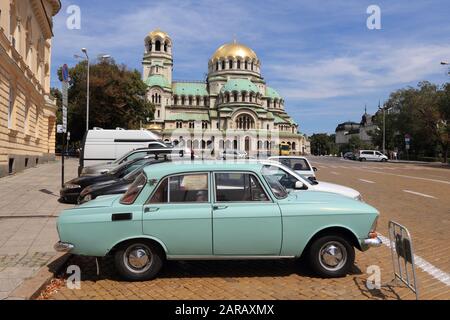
(289, 179)
(298, 164)
(371, 155)
(232, 154)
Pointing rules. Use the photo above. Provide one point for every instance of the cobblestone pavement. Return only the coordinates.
(28, 208)
(426, 218)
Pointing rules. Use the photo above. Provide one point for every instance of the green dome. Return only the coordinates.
(239, 85)
(157, 80)
(271, 93)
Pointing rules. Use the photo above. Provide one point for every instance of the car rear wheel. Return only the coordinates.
(362, 159)
(331, 256)
(137, 261)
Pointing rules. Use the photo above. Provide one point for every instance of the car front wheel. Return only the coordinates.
(331, 256)
(137, 261)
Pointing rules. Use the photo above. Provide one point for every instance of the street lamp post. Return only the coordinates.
(84, 50)
(103, 56)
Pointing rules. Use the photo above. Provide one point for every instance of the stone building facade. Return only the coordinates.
(27, 112)
(346, 130)
(232, 109)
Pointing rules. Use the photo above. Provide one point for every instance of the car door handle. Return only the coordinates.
(151, 209)
(219, 207)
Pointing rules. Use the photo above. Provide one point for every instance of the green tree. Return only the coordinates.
(117, 98)
(323, 144)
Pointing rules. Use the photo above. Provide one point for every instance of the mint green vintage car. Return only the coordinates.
(218, 210)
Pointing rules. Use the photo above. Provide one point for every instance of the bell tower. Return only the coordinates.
(158, 55)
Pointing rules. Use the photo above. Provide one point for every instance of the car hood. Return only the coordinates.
(96, 169)
(100, 202)
(336, 188)
(327, 201)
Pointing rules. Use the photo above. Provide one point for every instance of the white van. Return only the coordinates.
(371, 155)
(103, 145)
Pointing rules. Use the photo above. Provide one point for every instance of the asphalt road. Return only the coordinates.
(417, 196)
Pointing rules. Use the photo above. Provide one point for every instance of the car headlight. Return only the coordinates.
(71, 186)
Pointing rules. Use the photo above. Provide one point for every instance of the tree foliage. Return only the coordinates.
(117, 98)
(423, 113)
(323, 144)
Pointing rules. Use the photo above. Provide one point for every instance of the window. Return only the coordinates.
(175, 100)
(204, 124)
(223, 64)
(10, 105)
(134, 190)
(191, 124)
(179, 124)
(135, 155)
(159, 113)
(246, 65)
(158, 45)
(239, 64)
(217, 65)
(230, 64)
(238, 187)
(278, 180)
(245, 122)
(181, 189)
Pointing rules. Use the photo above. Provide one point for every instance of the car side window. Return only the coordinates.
(182, 189)
(238, 187)
(299, 165)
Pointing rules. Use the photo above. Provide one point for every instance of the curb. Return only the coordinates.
(32, 287)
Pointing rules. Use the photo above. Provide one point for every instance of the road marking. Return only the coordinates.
(334, 172)
(427, 267)
(367, 181)
(419, 194)
(405, 176)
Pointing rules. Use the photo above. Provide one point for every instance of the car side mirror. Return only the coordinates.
(315, 169)
(300, 186)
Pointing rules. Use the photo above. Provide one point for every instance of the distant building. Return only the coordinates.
(346, 130)
(233, 108)
(27, 112)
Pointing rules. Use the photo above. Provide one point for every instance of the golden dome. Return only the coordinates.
(234, 50)
(158, 33)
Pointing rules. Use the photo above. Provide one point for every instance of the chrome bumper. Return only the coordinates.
(63, 246)
(373, 242)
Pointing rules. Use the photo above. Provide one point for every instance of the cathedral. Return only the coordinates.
(232, 109)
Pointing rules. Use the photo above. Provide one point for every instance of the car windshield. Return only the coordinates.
(134, 190)
(274, 175)
(133, 174)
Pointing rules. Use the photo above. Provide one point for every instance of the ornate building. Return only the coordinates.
(27, 113)
(346, 130)
(232, 109)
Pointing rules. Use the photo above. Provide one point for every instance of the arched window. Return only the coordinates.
(182, 100)
(243, 95)
(252, 66)
(203, 144)
(175, 100)
(165, 46)
(204, 124)
(190, 100)
(205, 101)
(239, 64)
(246, 65)
(245, 122)
(197, 100)
(235, 96)
(179, 124)
(293, 145)
(150, 45)
(191, 124)
(268, 103)
(230, 64)
(159, 98)
(223, 64)
(158, 45)
(217, 65)
(153, 98)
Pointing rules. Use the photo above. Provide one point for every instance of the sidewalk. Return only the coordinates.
(28, 210)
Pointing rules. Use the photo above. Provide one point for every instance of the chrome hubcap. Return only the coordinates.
(138, 258)
(332, 256)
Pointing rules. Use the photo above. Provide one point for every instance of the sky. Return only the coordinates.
(319, 55)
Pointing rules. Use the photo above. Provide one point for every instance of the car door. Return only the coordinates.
(246, 222)
(179, 213)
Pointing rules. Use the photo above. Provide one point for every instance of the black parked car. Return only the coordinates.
(72, 189)
(116, 186)
(349, 156)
